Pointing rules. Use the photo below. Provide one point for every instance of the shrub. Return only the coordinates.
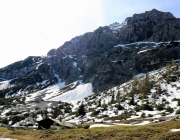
(37, 108)
(144, 107)
(150, 115)
(163, 99)
(16, 119)
(178, 102)
(160, 107)
(147, 107)
(81, 110)
(99, 103)
(68, 109)
(95, 113)
(104, 106)
(132, 102)
(143, 115)
(4, 121)
(163, 114)
(178, 111)
(166, 102)
(86, 126)
(169, 109)
(137, 108)
(120, 107)
(124, 116)
(174, 99)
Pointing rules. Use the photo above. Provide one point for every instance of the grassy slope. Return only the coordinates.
(149, 132)
(2, 130)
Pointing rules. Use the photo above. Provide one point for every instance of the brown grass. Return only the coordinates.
(2, 130)
(149, 132)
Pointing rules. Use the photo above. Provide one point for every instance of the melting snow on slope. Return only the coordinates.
(3, 114)
(141, 42)
(74, 64)
(140, 75)
(39, 117)
(115, 27)
(119, 124)
(100, 125)
(175, 130)
(47, 92)
(144, 51)
(4, 84)
(79, 93)
(142, 123)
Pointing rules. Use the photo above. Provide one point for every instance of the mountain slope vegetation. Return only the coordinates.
(126, 72)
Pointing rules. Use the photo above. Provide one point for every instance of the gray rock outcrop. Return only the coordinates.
(97, 56)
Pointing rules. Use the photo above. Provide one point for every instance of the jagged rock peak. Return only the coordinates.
(145, 21)
(154, 15)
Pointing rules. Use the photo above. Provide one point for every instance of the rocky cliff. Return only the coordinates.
(106, 57)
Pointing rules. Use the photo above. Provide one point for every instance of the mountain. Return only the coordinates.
(94, 62)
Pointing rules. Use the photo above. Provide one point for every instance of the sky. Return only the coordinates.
(33, 27)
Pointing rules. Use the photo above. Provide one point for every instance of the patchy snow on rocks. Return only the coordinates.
(111, 107)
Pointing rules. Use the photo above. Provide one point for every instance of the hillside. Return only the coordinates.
(124, 72)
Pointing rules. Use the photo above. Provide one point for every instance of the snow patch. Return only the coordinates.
(79, 93)
(144, 51)
(39, 117)
(46, 93)
(75, 64)
(100, 125)
(175, 130)
(139, 43)
(5, 84)
(140, 75)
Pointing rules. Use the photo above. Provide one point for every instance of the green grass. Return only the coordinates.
(149, 132)
(3, 129)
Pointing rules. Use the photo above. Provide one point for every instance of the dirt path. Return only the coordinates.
(3, 134)
(1, 138)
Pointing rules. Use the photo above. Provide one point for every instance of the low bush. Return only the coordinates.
(143, 115)
(95, 113)
(160, 107)
(169, 109)
(178, 111)
(150, 115)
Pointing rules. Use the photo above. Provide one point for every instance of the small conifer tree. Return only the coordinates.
(119, 107)
(81, 110)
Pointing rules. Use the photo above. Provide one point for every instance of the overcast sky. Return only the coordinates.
(33, 27)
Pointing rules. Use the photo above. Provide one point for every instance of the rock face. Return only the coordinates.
(126, 61)
(97, 56)
(154, 15)
(140, 27)
(166, 31)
